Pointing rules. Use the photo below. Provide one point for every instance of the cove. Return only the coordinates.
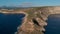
(53, 26)
(10, 22)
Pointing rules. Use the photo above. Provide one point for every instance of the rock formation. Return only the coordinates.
(35, 19)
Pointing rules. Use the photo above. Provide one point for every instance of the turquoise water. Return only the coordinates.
(53, 26)
(10, 22)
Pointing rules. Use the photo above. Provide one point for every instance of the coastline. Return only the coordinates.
(40, 15)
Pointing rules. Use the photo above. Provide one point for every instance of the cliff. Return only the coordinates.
(35, 19)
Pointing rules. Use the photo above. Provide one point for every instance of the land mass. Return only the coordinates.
(35, 18)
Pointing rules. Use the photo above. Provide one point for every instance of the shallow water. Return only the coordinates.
(53, 26)
(10, 22)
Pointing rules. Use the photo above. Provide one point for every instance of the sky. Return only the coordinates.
(29, 3)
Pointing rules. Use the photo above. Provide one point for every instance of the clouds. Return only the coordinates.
(26, 4)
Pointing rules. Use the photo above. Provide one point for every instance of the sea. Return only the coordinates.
(53, 26)
(10, 22)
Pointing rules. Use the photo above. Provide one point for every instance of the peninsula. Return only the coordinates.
(35, 18)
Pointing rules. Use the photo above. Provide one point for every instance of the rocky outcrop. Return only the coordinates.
(35, 19)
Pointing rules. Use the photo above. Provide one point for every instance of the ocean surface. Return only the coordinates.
(53, 26)
(10, 22)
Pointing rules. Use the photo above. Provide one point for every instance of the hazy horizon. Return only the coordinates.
(29, 3)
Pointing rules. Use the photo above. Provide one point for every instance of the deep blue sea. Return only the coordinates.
(10, 22)
(53, 26)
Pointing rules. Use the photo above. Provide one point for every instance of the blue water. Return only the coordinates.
(53, 26)
(10, 22)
